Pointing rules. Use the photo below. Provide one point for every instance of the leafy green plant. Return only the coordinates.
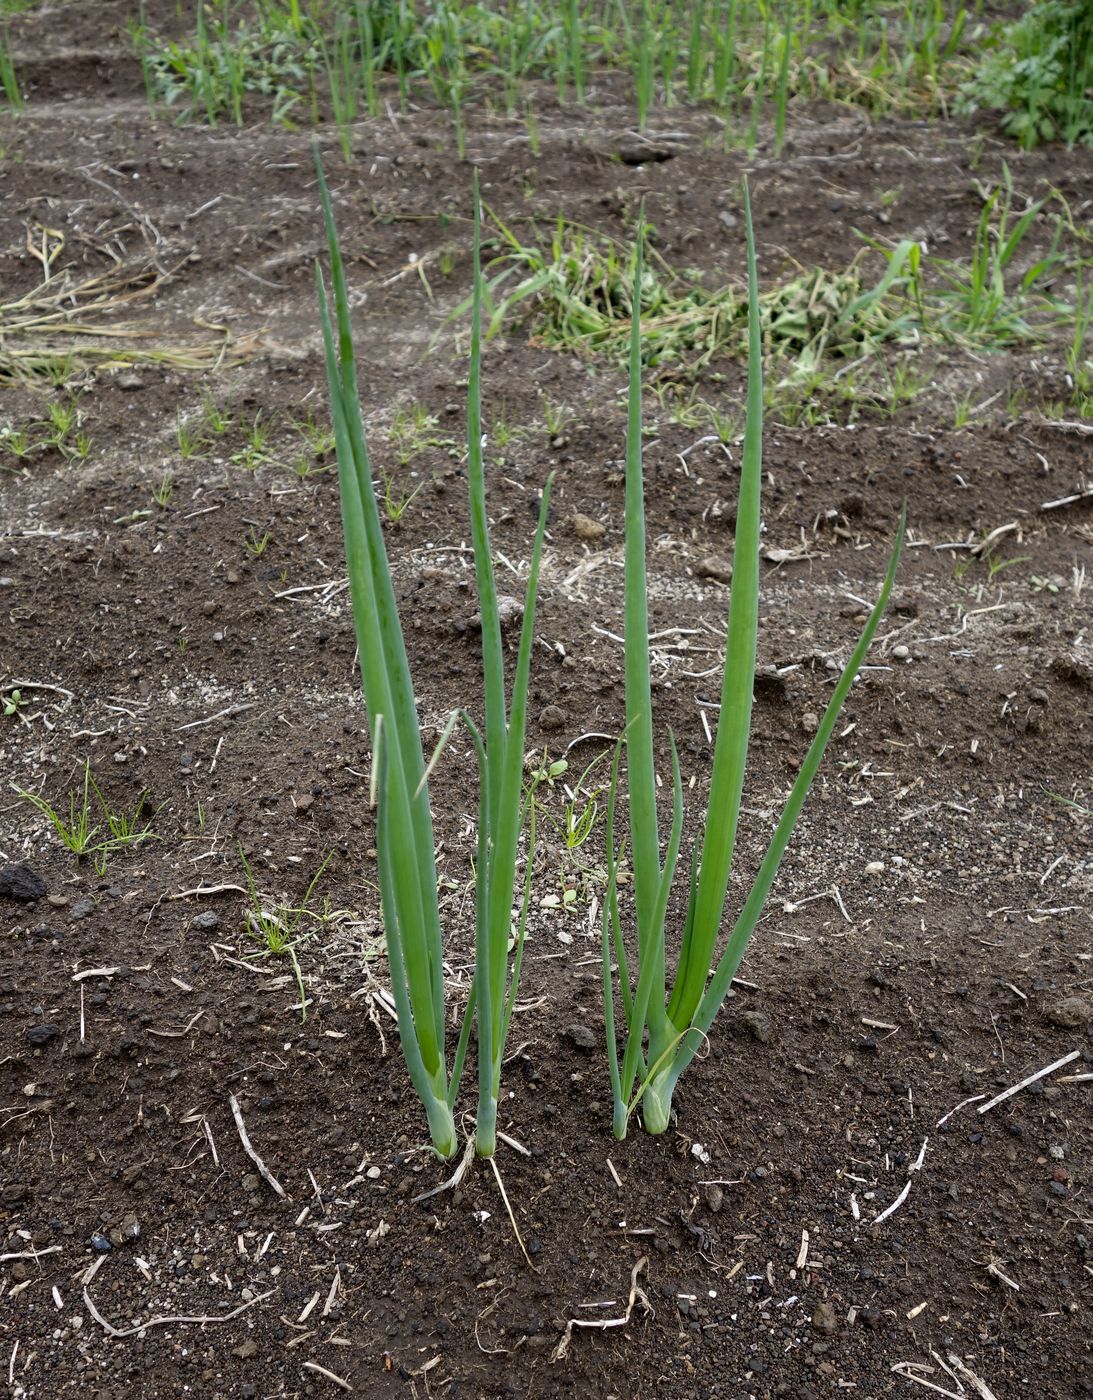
(404, 833)
(230, 57)
(11, 700)
(581, 806)
(978, 302)
(1038, 73)
(676, 1021)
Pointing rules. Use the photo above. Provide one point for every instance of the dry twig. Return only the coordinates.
(263, 1170)
(113, 1331)
(637, 1295)
(1024, 1083)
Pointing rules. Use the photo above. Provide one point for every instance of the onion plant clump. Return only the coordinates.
(404, 829)
(665, 1027)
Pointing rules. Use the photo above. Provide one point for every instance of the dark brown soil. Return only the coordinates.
(928, 942)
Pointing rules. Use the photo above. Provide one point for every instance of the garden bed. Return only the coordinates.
(173, 611)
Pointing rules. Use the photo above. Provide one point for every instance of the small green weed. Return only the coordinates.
(214, 417)
(397, 499)
(163, 490)
(277, 928)
(255, 450)
(256, 543)
(9, 83)
(412, 430)
(83, 833)
(190, 441)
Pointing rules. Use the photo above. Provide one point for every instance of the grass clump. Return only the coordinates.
(93, 827)
(9, 82)
(579, 294)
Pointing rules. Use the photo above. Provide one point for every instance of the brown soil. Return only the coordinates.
(928, 940)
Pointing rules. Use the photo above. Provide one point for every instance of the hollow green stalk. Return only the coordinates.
(404, 834)
(500, 750)
(675, 1021)
(404, 821)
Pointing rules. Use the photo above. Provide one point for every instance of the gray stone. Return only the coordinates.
(1071, 1013)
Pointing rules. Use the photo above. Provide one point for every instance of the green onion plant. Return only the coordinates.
(404, 830)
(664, 1027)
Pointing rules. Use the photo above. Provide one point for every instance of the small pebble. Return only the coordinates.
(758, 1025)
(716, 567)
(1070, 1013)
(20, 883)
(553, 717)
(582, 1035)
(587, 529)
(43, 1034)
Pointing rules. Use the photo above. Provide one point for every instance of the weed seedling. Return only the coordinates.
(412, 430)
(78, 833)
(557, 418)
(163, 490)
(9, 83)
(277, 929)
(396, 500)
(254, 453)
(15, 443)
(256, 543)
(215, 419)
(82, 834)
(189, 440)
(318, 439)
